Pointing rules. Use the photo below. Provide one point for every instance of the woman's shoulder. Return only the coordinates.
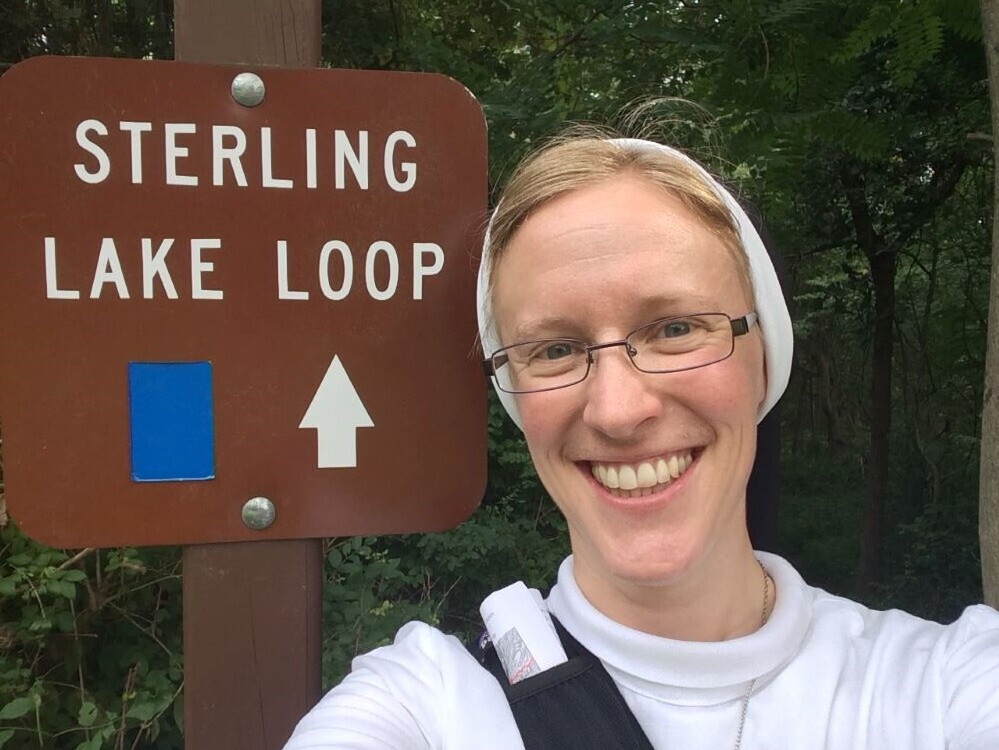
(961, 657)
(941, 678)
(406, 695)
(976, 622)
(421, 661)
(842, 625)
(417, 640)
(423, 655)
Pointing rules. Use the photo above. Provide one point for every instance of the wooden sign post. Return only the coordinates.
(252, 610)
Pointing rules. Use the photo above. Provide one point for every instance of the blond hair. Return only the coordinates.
(588, 156)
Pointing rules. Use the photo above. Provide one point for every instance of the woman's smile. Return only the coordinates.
(644, 477)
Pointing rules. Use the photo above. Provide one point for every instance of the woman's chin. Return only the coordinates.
(632, 566)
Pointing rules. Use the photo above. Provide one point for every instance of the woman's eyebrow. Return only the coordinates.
(686, 304)
(540, 328)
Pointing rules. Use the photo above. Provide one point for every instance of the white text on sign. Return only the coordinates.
(129, 149)
(149, 269)
(228, 145)
(381, 269)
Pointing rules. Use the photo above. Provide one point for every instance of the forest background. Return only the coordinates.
(861, 130)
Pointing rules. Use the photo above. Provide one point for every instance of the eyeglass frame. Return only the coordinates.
(740, 327)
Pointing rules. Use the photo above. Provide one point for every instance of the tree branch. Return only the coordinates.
(820, 248)
(76, 558)
(942, 186)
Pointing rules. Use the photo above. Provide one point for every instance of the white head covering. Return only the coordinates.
(774, 319)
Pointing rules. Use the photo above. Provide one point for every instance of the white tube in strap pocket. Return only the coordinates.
(521, 631)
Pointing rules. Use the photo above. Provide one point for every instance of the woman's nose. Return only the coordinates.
(619, 397)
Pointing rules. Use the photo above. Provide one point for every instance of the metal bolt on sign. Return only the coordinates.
(248, 89)
(258, 513)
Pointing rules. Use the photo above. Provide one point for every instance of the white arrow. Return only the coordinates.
(335, 413)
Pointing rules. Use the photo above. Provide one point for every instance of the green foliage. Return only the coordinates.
(368, 596)
(136, 28)
(89, 647)
(937, 571)
(820, 507)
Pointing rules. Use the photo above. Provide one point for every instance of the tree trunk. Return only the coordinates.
(883, 277)
(882, 264)
(989, 477)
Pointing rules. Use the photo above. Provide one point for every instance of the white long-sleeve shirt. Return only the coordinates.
(829, 672)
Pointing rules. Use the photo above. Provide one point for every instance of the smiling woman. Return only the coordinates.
(603, 260)
(634, 328)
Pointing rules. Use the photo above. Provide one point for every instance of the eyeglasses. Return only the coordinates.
(684, 342)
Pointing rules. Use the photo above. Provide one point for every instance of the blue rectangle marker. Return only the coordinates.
(172, 415)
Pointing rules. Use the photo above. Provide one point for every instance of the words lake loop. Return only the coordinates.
(144, 271)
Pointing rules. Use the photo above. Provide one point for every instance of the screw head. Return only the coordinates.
(248, 89)
(258, 513)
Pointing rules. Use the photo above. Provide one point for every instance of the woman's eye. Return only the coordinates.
(675, 329)
(557, 350)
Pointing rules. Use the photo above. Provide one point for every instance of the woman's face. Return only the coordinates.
(594, 265)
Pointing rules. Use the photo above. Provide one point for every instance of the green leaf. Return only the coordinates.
(39, 623)
(17, 708)
(87, 715)
(178, 712)
(63, 622)
(44, 559)
(144, 711)
(334, 557)
(61, 588)
(5, 735)
(8, 587)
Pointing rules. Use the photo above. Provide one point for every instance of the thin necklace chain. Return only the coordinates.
(752, 683)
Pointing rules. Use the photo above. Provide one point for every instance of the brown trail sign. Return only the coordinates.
(206, 298)
(237, 305)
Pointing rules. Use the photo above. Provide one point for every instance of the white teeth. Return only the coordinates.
(644, 478)
(647, 475)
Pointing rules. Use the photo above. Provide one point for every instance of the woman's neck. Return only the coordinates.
(718, 600)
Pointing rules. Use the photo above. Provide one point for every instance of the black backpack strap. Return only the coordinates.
(572, 706)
